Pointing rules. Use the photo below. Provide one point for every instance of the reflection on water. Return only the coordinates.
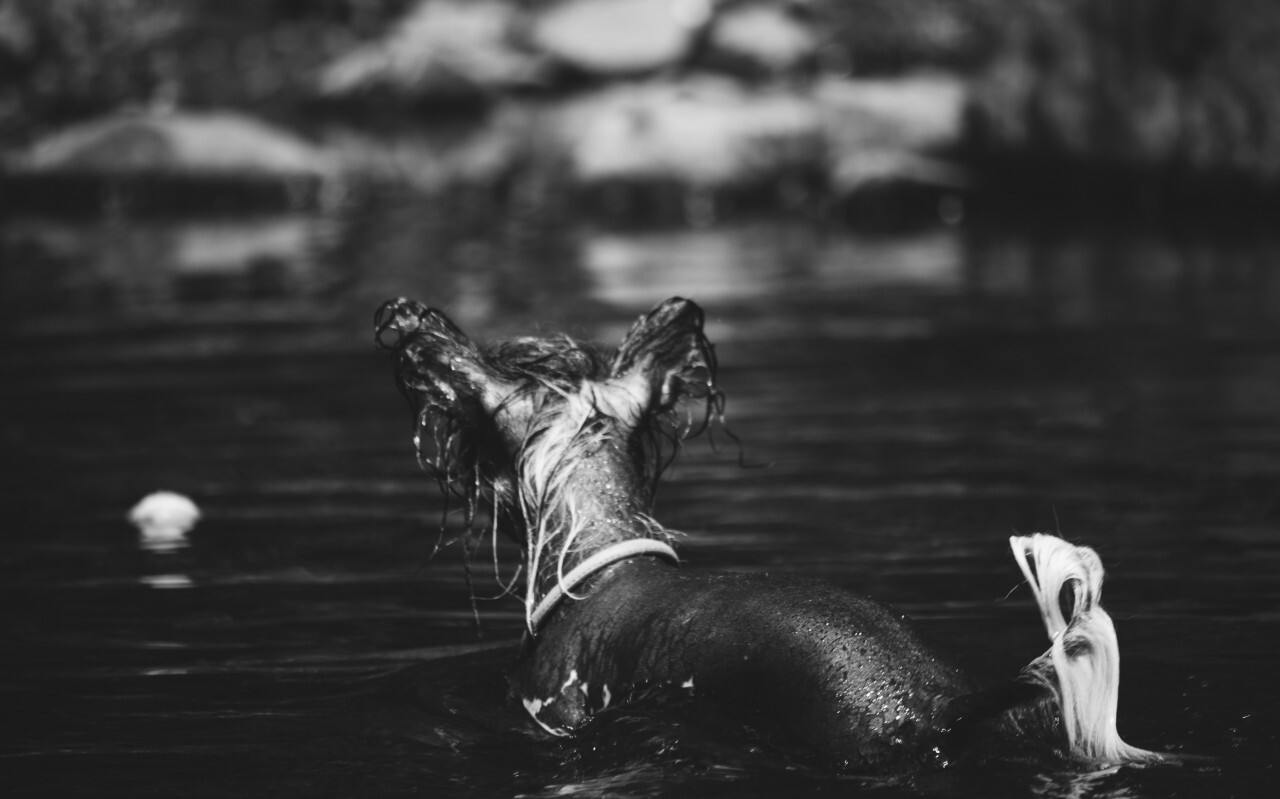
(485, 267)
(166, 580)
(916, 399)
(147, 268)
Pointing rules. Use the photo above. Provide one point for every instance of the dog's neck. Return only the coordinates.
(581, 487)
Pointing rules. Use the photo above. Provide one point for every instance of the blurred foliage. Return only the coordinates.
(62, 60)
(1181, 85)
(869, 37)
(1150, 83)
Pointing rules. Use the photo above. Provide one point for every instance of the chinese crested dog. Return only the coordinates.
(563, 446)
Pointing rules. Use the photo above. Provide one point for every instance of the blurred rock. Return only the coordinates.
(171, 154)
(465, 153)
(622, 38)
(894, 130)
(442, 52)
(698, 143)
(701, 132)
(616, 38)
(172, 142)
(763, 37)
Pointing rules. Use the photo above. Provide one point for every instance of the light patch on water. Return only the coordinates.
(713, 265)
(166, 580)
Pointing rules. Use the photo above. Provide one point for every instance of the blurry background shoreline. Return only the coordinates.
(1152, 109)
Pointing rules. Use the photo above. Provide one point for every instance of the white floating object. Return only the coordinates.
(163, 520)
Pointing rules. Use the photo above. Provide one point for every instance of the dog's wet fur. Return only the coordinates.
(563, 444)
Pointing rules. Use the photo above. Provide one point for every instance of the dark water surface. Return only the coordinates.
(917, 399)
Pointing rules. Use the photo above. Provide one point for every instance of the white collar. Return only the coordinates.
(606, 557)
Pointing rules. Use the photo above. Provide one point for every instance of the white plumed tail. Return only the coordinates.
(1082, 666)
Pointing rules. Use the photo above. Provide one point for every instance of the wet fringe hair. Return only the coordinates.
(459, 444)
(1082, 666)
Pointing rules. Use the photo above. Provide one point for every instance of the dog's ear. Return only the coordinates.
(436, 366)
(669, 349)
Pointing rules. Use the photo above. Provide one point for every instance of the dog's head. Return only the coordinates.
(516, 421)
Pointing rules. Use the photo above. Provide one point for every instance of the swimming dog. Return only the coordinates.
(564, 445)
